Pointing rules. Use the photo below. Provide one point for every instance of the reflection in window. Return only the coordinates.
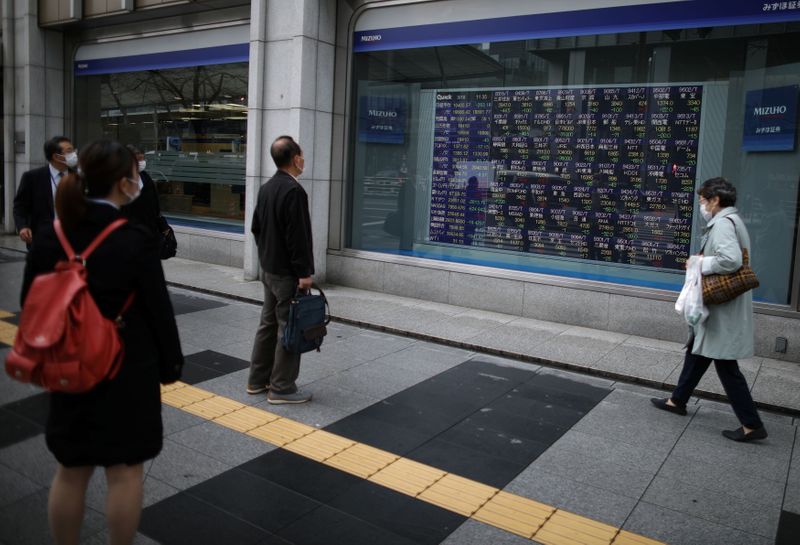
(191, 122)
(572, 156)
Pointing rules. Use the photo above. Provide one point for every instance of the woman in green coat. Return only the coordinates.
(727, 334)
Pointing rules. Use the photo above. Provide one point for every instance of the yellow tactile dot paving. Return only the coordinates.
(181, 397)
(281, 431)
(214, 407)
(246, 419)
(7, 336)
(628, 538)
(514, 514)
(6, 314)
(319, 445)
(174, 386)
(361, 460)
(564, 528)
(407, 476)
(458, 494)
(6, 325)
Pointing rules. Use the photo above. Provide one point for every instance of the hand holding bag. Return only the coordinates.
(306, 326)
(721, 288)
(169, 244)
(690, 301)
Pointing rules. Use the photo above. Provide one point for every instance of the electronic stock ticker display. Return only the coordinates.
(605, 173)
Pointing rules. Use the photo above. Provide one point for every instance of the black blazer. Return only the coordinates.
(282, 228)
(145, 210)
(33, 204)
(119, 421)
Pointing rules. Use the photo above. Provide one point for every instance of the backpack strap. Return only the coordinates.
(71, 255)
(63, 240)
(110, 228)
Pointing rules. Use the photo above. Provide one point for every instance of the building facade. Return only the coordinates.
(536, 158)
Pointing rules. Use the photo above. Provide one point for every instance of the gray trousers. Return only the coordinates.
(270, 363)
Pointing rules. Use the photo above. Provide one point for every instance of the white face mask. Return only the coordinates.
(142, 165)
(137, 192)
(705, 212)
(71, 159)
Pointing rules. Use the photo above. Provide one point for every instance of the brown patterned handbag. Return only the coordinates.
(721, 288)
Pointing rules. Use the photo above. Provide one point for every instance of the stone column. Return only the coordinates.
(291, 75)
(33, 93)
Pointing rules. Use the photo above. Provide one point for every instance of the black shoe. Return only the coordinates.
(662, 404)
(740, 436)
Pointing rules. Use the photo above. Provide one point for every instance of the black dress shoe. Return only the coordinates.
(740, 436)
(662, 404)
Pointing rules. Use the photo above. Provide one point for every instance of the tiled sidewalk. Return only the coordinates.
(620, 462)
(775, 384)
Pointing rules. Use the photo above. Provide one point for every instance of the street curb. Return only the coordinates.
(600, 373)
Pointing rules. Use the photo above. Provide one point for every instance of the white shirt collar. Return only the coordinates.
(54, 172)
(105, 201)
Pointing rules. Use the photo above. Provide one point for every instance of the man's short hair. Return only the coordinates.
(53, 146)
(283, 150)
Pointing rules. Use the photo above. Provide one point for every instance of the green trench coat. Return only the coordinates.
(727, 334)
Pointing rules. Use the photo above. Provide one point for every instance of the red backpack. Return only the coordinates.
(63, 343)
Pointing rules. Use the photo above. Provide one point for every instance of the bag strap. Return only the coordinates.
(71, 255)
(745, 253)
(110, 228)
(314, 286)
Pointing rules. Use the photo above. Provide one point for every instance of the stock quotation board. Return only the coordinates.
(605, 173)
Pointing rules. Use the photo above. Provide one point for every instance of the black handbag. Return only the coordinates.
(307, 324)
(169, 244)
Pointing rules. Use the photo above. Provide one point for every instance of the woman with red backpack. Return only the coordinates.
(117, 423)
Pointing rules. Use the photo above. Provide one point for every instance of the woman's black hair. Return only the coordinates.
(103, 163)
(719, 187)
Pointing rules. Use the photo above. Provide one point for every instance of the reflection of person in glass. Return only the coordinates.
(475, 210)
(400, 223)
(727, 334)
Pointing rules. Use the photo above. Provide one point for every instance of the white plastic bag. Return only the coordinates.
(690, 300)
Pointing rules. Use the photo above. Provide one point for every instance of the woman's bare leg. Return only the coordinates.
(124, 502)
(66, 503)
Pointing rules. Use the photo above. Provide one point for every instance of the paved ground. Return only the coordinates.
(656, 363)
(587, 445)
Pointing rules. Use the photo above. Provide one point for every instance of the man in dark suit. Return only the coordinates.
(33, 205)
(282, 229)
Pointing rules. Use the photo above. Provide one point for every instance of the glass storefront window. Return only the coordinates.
(191, 123)
(574, 156)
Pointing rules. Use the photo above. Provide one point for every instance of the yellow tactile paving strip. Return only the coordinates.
(522, 516)
(8, 331)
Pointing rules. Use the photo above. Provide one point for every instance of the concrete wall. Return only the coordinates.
(215, 247)
(522, 294)
(33, 93)
(291, 92)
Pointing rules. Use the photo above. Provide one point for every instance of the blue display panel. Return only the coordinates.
(770, 119)
(602, 173)
(382, 120)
